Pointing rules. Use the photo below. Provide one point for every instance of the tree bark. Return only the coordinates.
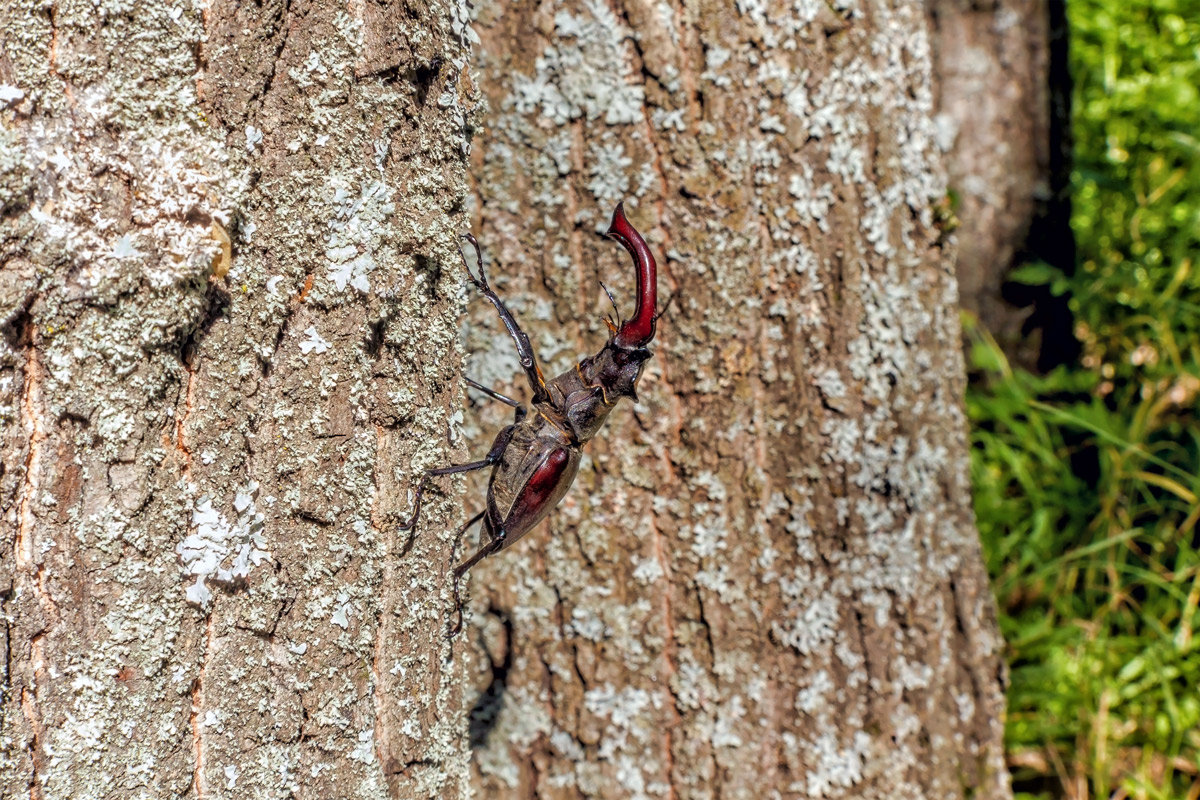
(992, 95)
(1003, 97)
(766, 582)
(230, 300)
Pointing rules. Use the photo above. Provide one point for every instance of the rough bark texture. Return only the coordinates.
(205, 411)
(991, 62)
(766, 582)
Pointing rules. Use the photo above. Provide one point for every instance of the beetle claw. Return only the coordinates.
(638, 330)
(481, 282)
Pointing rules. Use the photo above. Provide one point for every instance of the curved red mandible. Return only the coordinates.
(639, 329)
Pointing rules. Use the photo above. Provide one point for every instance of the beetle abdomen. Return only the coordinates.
(524, 490)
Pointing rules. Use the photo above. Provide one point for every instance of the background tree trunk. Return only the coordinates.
(204, 592)
(1002, 94)
(766, 582)
(992, 97)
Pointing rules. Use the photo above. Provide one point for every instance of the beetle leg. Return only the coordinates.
(434, 473)
(492, 393)
(524, 349)
(480, 554)
(457, 575)
(489, 460)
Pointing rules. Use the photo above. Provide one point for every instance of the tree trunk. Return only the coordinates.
(1003, 117)
(211, 417)
(992, 96)
(766, 582)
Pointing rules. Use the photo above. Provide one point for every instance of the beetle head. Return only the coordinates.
(618, 369)
(615, 370)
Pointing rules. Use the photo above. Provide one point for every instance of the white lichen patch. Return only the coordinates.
(812, 620)
(10, 94)
(608, 166)
(839, 766)
(176, 185)
(523, 718)
(313, 342)
(728, 716)
(625, 711)
(220, 551)
(582, 74)
(357, 227)
(254, 137)
(341, 611)
(816, 694)
(648, 570)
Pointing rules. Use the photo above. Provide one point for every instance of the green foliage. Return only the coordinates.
(1086, 480)
(1089, 528)
(1136, 68)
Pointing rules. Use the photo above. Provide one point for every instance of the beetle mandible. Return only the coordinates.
(534, 460)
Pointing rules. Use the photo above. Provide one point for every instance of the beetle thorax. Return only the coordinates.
(587, 392)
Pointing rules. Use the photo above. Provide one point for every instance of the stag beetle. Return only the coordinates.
(534, 460)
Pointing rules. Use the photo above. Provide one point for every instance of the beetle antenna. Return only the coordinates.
(612, 300)
(666, 307)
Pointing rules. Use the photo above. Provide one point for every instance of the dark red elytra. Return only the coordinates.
(534, 460)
